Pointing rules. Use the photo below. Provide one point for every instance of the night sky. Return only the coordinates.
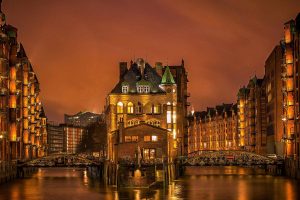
(75, 45)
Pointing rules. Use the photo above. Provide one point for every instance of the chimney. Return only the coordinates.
(158, 68)
(123, 69)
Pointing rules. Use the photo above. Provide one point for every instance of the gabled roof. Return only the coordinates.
(136, 76)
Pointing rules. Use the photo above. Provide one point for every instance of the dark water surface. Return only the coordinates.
(199, 183)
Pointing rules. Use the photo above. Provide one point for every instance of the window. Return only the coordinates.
(154, 138)
(149, 154)
(156, 109)
(153, 122)
(139, 108)
(127, 138)
(169, 117)
(130, 108)
(134, 138)
(146, 89)
(140, 89)
(125, 89)
(120, 107)
(147, 138)
(133, 122)
(143, 89)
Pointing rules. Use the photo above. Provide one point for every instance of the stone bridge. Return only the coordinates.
(227, 158)
(61, 160)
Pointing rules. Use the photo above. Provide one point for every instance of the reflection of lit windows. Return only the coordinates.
(154, 138)
(125, 89)
(130, 108)
(120, 107)
(147, 138)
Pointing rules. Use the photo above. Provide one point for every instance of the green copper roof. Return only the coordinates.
(167, 77)
(143, 82)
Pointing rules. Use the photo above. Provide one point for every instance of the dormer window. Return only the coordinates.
(125, 89)
(143, 89)
(146, 89)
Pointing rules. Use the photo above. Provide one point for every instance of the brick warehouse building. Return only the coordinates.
(146, 112)
(214, 129)
(23, 133)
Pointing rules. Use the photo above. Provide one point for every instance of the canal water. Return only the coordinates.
(229, 183)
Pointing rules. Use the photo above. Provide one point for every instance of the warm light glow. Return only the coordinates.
(12, 86)
(169, 117)
(13, 73)
(25, 137)
(13, 132)
(12, 101)
(130, 108)
(120, 107)
(289, 55)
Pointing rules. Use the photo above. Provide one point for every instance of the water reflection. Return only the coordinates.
(205, 183)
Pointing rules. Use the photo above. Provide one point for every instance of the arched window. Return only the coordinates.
(120, 107)
(133, 122)
(130, 108)
(156, 109)
(139, 108)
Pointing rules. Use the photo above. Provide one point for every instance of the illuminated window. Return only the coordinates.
(133, 122)
(125, 89)
(149, 154)
(154, 138)
(130, 108)
(140, 89)
(143, 89)
(156, 109)
(169, 117)
(120, 107)
(134, 138)
(127, 138)
(174, 116)
(147, 138)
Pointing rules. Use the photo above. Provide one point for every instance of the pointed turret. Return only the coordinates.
(167, 78)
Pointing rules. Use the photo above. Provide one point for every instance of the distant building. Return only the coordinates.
(214, 129)
(73, 136)
(56, 138)
(252, 116)
(64, 138)
(274, 102)
(83, 119)
(146, 111)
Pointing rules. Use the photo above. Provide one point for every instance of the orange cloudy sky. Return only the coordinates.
(75, 45)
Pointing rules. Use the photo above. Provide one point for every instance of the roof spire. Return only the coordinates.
(167, 77)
